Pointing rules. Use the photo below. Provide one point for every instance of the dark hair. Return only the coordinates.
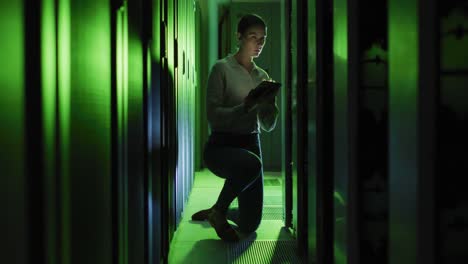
(248, 21)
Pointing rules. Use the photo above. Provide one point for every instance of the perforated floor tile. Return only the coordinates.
(267, 252)
(197, 242)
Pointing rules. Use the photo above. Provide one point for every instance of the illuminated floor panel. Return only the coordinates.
(248, 252)
(196, 242)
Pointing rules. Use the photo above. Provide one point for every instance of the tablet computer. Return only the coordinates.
(264, 87)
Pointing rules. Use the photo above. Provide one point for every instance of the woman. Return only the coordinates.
(233, 148)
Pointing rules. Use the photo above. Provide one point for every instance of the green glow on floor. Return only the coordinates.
(197, 242)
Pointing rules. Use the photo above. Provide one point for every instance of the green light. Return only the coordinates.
(156, 48)
(49, 84)
(170, 41)
(48, 69)
(340, 30)
(403, 126)
(12, 76)
(12, 158)
(64, 121)
(122, 114)
(339, 198)
(340, 50)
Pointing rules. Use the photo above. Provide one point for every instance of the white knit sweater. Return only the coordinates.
(228, 84)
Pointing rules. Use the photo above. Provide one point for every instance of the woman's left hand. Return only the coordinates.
(249, 103)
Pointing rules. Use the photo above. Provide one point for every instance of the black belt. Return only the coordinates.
(233, 140)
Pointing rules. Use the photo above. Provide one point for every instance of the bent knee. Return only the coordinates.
(250, 227)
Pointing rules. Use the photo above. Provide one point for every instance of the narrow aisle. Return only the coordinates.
(197, 242)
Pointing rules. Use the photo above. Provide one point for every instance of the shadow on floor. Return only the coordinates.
(208, 251)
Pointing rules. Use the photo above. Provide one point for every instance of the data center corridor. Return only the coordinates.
(103, 124)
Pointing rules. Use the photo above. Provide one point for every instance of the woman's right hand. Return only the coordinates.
(249, 102)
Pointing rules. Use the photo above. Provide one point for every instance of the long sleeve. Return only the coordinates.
(268, 115)
(219, 115)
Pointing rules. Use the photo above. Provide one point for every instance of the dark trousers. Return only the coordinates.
(238, 159)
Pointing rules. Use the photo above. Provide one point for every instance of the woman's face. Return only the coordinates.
(253, 40)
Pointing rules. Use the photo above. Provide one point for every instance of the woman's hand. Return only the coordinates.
(268, 97)
(251, 102)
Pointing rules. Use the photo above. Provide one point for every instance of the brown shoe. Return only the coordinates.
(223, 229)
(201, 215)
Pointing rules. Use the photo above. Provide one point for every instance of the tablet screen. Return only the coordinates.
(264, 86)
